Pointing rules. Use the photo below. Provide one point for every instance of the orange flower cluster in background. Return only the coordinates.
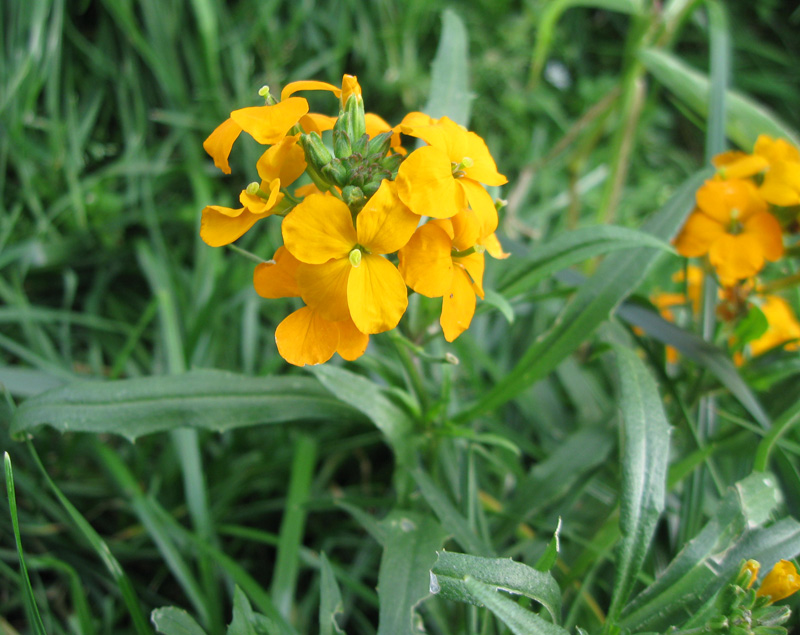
(739, 224)
(371, 221)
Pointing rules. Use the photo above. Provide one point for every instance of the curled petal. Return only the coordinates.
(269, 124)
(285, 161)
(466, 229)
(219, 143)
(474, 265)
(767, 230)
(385, 224)
(698, 234)
(307, 84)
(426, 185)
(306, 338)
(318, 229)
(277, 278)
(482, 204)
(324, 288)
(257, 205)
(781, 184)
(222, 225)
(352, 342)
(458, 306)
(376, 294)
(350, 87)
(780, 583)
(494, 248)
(426, 263)
(314, 122)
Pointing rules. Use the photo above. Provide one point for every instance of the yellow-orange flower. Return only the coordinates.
(732, 225)
(305, 336)
(442, 178)
(444, 258)
(278, 167)
(344, 274)
(782, 326)
(777, 159)
(780, 583)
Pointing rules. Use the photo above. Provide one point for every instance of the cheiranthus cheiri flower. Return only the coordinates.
(783, 327)
(442, 178)
(278, 167)
(344, 274)
(732, 225)
(267, 124)
(305, 336)
(777, 159)
(780, 583)
(444, 258)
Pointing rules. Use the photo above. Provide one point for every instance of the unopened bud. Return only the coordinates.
(356, 125)
(380, 144)
(336, 172)
(354, 197)
(316, 152)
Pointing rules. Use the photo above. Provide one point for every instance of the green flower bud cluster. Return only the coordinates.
(739, 611)
(358, 164)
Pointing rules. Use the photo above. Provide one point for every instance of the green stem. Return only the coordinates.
(778, 429)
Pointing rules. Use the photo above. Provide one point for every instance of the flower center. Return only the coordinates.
(355, 257)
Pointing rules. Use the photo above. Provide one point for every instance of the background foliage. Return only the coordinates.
(365, 471)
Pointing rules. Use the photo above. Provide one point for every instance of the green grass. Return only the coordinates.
(367, 468)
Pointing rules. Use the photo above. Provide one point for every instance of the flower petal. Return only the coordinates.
(307, 84)
(352, 342)
(426, 263)
(220, 142)
(277, 278)
(350, 87)
(425, 183)
(385, 224)
(376, 294)
(285, 161)
(318, 229)
(222, 225)
(458, 306)
(466, 229)
(257, 205)
(719, 199)
(781, 184)
(736, 257)
(306, 338)
(698, 234)
(269, 124)
(324, 288)
(481, 202)
(474, 265)
(494, 248)
(315, 122)
(767, 230)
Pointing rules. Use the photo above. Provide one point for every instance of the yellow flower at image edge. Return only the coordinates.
(782, 326)
(732, 225)
(343, 272)
(780, 583)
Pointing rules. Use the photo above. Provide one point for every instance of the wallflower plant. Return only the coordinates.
(369, 203)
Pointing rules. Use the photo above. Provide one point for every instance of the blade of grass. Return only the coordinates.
(101, 549)
(28, 600)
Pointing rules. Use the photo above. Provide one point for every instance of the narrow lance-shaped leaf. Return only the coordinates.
(171, 620)
(450, 72)
(213, 400)
(451, 569)
(645, 451)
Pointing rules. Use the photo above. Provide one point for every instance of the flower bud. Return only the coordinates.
(356, 123)
(316, 152)
(354, 197)
(336, 172)
(350, 88)
(380, 144)
(781, 582)
(342, 147)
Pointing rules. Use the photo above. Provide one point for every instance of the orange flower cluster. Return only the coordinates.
(364, 209)
(733, 223)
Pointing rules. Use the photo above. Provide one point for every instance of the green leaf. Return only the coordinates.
(330, 601)
(368, 398)
(552, 13)
(214, 400)
(707, 561)
(449, 95)
(746, 119)
(593, 304)
(451, 570)
(404, 576)
(28, 600)
(548, 559)
(450, 517)
(752, 326)
(695, 348)
(645, 452)
(499, 302)
(246, 621)
(171, 620)
(519, 620)
(569, 249)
